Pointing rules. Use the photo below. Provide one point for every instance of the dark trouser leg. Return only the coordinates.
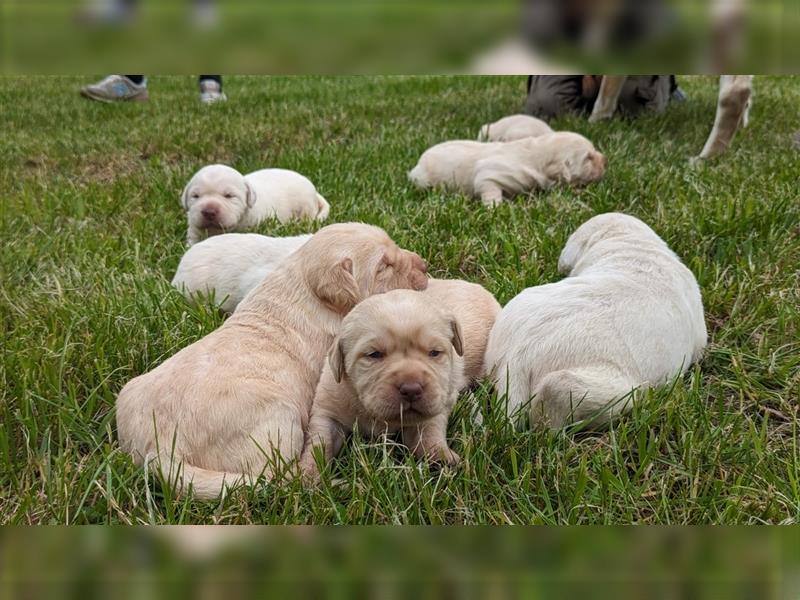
(217, 78)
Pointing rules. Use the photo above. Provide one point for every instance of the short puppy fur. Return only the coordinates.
(494, 170)
(226, 267)
(512, 128)
(398, 364)
(236, 403)
(628, 315)
(219, 199)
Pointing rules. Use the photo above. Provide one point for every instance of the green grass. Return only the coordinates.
(92, 232)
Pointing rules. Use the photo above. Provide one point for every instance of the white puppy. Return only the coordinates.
(514, 127)
(398, 364)
(493, 170)
(219, 199)
(629, 315)
(226, 267)
(225, 408)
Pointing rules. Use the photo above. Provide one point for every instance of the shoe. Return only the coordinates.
(211, 92)
(679, 95)
(205, 15)
(107, 12)
(116, 88)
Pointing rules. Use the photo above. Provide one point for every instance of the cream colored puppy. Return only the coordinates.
(226, 267)
(228, 407)
(219, 198)
(628, 315)
(493, 170)
(398, 364)
(512, 128)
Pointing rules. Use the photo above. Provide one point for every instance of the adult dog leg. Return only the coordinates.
(732, 111)
(606, 104)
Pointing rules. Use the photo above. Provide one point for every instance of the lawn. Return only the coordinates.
(92, 232)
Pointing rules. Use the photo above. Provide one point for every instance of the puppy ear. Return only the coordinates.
(251, 195)
(336, 360)
(185, 197)
(457, 339)
(337, 287)
(581, 239)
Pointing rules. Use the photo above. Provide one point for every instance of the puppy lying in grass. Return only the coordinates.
(494, 170)
(219, 199)
(235, 404)
(512, 128)
(628, 315)
(398, 364)
(226, 267)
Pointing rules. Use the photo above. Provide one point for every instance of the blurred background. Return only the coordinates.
(400, 36)
(374, 562)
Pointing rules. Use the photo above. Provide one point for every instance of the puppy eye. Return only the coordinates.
(434, 353)
(376, 355)
(228, 196)
(195, 195)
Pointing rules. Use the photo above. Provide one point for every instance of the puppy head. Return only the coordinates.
(216, 198)
(572, 158)
(600, 228)
(345, 263)
(399, 352)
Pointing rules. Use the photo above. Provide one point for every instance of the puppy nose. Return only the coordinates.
(209, 213)
(410, 390)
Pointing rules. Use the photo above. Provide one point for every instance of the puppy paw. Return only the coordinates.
(444, 456)
(308, 470)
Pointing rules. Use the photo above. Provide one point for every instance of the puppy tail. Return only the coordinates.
(596, 394)
(203, 484)
(323, 208)
(418, 177)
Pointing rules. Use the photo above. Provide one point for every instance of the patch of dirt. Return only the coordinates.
(107, 169)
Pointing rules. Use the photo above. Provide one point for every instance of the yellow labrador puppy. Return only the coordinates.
(218, 199)
(512, 128)
(494, 170)
(228, 266)
(398, 364)
(224, 409)
(628, 315)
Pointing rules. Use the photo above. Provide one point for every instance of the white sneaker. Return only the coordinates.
(211, 92)
(107, 12)
(205, 15)
(116, 88)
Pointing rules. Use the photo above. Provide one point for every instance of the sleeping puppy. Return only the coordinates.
(398, 364)
(219, 199)
(493, 170)
(227, 408)
(514, 127)
(628, 315)
(226, 267)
